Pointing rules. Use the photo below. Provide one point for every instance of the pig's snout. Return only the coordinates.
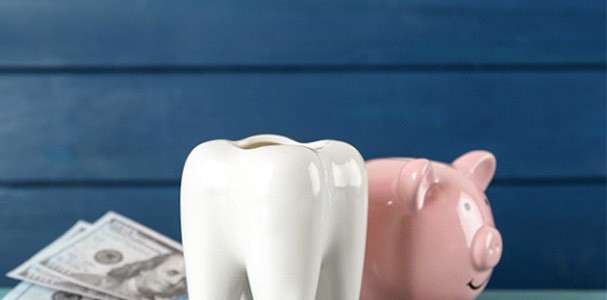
(486, 248)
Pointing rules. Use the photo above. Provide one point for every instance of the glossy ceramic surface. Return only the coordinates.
(431, 233)
(288, 218)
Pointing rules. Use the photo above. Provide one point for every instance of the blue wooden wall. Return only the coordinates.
(101, 101)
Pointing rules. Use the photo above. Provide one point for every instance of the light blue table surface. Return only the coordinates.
(516, 294)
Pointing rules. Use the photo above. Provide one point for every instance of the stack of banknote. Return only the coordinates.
(113, 258)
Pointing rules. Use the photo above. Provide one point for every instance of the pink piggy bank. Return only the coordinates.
(430, 232)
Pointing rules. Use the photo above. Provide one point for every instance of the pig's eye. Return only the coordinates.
(467, 206)
(487, 201)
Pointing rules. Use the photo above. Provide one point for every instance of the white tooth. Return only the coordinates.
(267, 213)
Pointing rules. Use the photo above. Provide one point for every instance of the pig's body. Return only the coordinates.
(431, 233)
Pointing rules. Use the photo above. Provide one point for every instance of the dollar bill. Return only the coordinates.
(28, 291)
(29, 271)
(122, 258)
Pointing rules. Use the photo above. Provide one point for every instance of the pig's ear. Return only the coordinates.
(478, 166)
(415, 179)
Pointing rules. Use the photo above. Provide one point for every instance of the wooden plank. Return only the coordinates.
(142, 127)
(554, 236)
(338, 32)
(543, 295)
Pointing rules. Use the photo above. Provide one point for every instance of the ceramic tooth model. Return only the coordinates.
(431, 233)
(273, 218)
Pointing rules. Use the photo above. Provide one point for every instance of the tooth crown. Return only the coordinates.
(264, 214)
